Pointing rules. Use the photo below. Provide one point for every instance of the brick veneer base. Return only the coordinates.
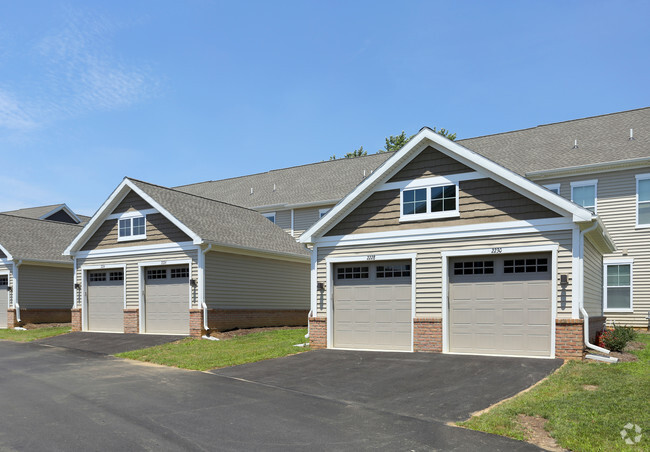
(228, 319)
(11, 318)
(317, 332)
(196, 323)
(131, 321)
(596, 325)
(44, 316)
(76, 319)
(427, 335)
(569, 339)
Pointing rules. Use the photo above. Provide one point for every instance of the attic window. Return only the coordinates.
(133, 228)
(439, 201)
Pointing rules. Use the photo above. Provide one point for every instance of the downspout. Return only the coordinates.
(585, 315)
(204, 305)
(15, 294)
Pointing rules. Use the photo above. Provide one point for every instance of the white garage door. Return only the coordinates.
(167, 309)
(106, 301)
(501, 305)
(4, 300)
(372, 306)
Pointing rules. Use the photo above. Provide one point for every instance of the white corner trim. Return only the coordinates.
(576, 271)
(133, 250)
(314, 282)
(451, 179)
(6, 253)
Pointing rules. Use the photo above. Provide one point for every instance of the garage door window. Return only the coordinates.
(180, 273)
(352, 273)
(525, 265)
(116, 276)
(96, 276)
(393, 271)
(474, 268)
(4, 280)
(159, 273)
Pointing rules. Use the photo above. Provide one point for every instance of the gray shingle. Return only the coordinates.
(225, 224)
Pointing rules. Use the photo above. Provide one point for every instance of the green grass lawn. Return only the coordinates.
(30, 335)
(580, 419)
(201, 354)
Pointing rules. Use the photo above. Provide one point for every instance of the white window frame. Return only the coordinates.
(607, 263)
(270, 216)
(129, 217)
(428, 215)
(640, 177)
(555, 188)
(323, 212)
(587, 183)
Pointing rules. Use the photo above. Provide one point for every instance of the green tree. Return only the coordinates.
(445, 133)
(395, 143)
(350, 155)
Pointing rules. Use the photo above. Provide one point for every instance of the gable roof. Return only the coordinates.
(43, 212)
(204, 220)
(427, 137)
(32, 239)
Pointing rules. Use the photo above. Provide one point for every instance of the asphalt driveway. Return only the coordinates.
(107, 343)
(66, 399)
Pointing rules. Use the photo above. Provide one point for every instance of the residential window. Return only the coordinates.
(618, 287)
(430, 202)
(270, 216)
(555, 188)
(4, 280)
(133, 228)
(584, 194)
(643, 200)
(322, 212)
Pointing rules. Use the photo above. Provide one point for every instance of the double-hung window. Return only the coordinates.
(618, 286)
(643, 200)
(439, 201)
(132, 228)
(584, 193)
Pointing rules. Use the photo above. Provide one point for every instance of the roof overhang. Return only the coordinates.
(228, 248)
(425, 138)
(599, 236)
(590, 168)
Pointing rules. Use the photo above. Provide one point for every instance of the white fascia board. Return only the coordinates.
(134, 250)
(6, 253)
(66, 209)
(47, 263)
(469, 158)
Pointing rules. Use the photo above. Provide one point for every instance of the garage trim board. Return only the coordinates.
(84, 288)
(331, 261)
(5, 274)
(446, 255)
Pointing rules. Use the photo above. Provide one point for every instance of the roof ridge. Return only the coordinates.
(282, 169)
(40, 220)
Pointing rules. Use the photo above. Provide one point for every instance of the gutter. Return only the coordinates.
(588, 169)
(15, 289)
(204, 305)
(297, 206)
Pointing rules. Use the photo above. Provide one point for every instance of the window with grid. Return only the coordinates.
(584, 195)
(182, 272)
(158, 273)
(443, 199)
(474, 268)
(414, 201)
(430, 202)
(525, 265)
(352, 273)
(643, 201)
(618, 287)
(116, 276)
(132, 228)
(394, 271)
(97, 276)
(4, 280)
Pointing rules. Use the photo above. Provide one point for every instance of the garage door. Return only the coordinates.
(501, 305)
(106, 301)
(372, 306)
(167, 309)
(4, 300)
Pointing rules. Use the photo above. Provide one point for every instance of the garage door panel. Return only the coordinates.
(166, 303)
(105, 301)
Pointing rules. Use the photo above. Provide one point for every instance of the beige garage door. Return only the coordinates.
(372, 306)
(4, 300)
(501, 305)
(167, 309)
(106, 301)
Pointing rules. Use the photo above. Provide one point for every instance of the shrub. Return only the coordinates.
(616, 339)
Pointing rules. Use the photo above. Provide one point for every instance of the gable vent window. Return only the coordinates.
(525, 265)
(439, 201)
(180, 272)
(133, 228)
(97, 276)
(159, 273)
(116, 276)
(474, 268)
(352, 273)
(394, 271)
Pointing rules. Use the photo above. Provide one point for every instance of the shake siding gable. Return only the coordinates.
(429, 163)
(130, 203)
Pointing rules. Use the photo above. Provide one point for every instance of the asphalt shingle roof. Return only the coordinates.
(221, 223)
(38, 212)
(33, 239)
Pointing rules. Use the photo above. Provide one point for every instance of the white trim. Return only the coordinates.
(131, 214)
(6, 253)
(576, 266)
(7, 272)
(330, 261)
(445, 255)
(322, 212)
(66, 209)
(451, 179)
(269, 215)
(292, 223)
(639, 178)
(428, 215)
(450, 232)
(314, 282)
(618, 261)
(140, 249)
(591, 168)
(501, 355)
(84, 288)
(587, 183)
(553, 188)
(131, 236)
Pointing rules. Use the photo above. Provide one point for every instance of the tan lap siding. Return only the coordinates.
(131, 275)
(430, 163)
(593, 272)
(41, 287)
(616, 206)
(130, 203)
(303, 219)
(429, 265)
(234, 281)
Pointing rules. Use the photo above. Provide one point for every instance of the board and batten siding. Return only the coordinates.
(616, 206)
(593, 276)
(131, 274)
(45, 287)
(428, 269)
(234, 281)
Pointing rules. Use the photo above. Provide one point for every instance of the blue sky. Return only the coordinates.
(181, 92)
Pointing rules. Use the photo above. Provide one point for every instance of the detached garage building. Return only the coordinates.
(157, 260)
(441, 249)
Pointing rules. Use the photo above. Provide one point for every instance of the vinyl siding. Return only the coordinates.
(429, 265)
(41, 287)
(159, 230)
(234, 281)
(429, 163)
(480, 201)
(131, 202)
(593, 274)
(131, 276)
(283, 219)
(304, 218)
(616, 206)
